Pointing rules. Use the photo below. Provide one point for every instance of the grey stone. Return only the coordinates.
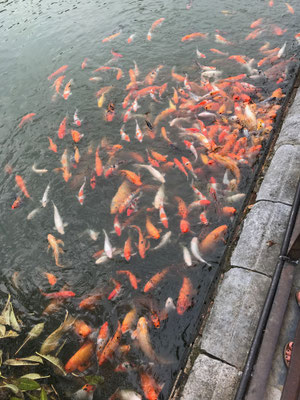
(259, 245)
(291, 126)
(231, 326)
(281, 179)
(210, 380)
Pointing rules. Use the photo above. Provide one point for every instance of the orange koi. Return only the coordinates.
(67, 90)
(22, 186)
(150, 78)
(209, 243)
(54, 243)
(153, 26)
(180, 166)
(132, 177)
(58, 82)
(59, 71)
(150, 387)
(27, 117)
(81, 328)
(16, 203)
(76, 136)
(185, 296)
(177, 77)
(76, 155)
(80, 358)
(62, 128)
(93, 181)
(127, 249)
(129, 320)
(89, 302)
(184, 226)
(111, 346)
(51, 278)
(64, 294)
(159, 157)
(228, 211)
(111, 37)
(256, 23)
(155, 280)
(182, 208)
(153, 232)
(194, 35)
(238, 59)
(132, 278)
(290, 8)
(218, 52)
(110, 113)
(143, 246)
(116, 291)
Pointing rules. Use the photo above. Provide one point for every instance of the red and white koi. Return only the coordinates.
(77, 121)
(81, 195)
(124, 136)
(138, 132)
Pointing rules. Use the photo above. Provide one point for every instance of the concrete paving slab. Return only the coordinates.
(210, 379)
(234, 316)
(289, 133)
(280, 181)
(259, 245)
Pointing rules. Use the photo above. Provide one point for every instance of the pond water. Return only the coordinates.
(207, 102)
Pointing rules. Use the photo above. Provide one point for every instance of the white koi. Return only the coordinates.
(187, 256)
(159, 197)
(38, 171)
(154, 172)
(59, 225)
(164, 240)
(44, 200)
(107, 246)
(195, 250)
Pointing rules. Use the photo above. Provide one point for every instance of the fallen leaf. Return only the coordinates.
(94, 379)
(35, 376)
(54, 361)
(27, 384)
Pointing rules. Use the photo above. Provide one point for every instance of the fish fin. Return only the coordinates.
(60, 250)
(59, 241)
(66, 224)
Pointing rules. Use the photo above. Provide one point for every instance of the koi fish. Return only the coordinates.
(111, 37)
(26, 118)
(129, 320)
(52, 145)
(44, 200)
(51, 278)
(20, 182)
(116, 291)
(131, 176)
(124, 136)
(81, 195)
(163, 216)
(76, 136)
(209, 243)
(153, 232)
(194, 35)
(77, 121)
(58, 82)
(138, 132)
(54, 243)
(156, 279)
(185, 296)
(102, 338)
(84, 63)
(154, 172)
(107, 246)
(62, 128)
(127, 249)
(65, 294)
(132, 278)
(143, 246)
(80, 358)
(131, 37)
(153, 26)
(17, 203)
(117, 226)
(98, 163)
(38, 171)
(111, 346)
(57, 72)
(150, 387)
(67, 90)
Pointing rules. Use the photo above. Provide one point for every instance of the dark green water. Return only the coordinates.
(36, 39)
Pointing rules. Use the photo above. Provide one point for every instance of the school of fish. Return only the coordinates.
(199, 136)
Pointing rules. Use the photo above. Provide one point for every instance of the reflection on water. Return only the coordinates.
(130, 135)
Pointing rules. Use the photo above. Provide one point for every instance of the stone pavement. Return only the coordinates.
(229, 330)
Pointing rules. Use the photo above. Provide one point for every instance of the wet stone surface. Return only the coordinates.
(281, 179)
(258, 247)
(210, 379)
(235, 313)
(290, 129)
